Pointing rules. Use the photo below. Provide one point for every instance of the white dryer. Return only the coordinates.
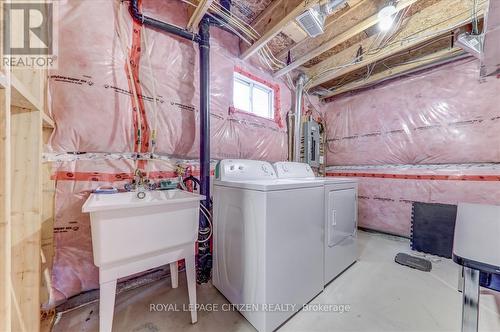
(341, 216)
(268, 241)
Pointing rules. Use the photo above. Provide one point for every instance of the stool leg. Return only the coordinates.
(470, 300)
(106, 305)
(191, 281)
(174, 274)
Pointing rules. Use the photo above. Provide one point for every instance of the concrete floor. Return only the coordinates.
(383, 296)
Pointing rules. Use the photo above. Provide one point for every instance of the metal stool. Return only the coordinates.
(476, 247)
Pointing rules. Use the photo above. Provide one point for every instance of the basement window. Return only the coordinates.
(252, 96)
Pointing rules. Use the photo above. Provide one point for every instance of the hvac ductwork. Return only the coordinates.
(490, 60)
(297, 132)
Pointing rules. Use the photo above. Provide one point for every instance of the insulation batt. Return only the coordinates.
(91, 102)
(91, 99)
(442, 116)
(385, 204)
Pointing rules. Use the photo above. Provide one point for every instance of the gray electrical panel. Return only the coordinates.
(311, 143)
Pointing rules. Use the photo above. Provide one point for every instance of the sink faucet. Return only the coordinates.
(139, 177)
(140, 183)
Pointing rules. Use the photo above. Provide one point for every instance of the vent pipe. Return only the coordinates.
(490, 57)
(297, 132)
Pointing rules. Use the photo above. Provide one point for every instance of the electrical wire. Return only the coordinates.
(415, 35)
(266, 56)
(396, 64)
(370, 51)
(189, 3)
(208, 216)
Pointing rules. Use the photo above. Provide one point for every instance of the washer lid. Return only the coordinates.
(270, 185)
(301, 171)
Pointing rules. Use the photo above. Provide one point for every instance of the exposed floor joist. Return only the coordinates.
(421, 27)
(270, 22)
(364, 25)
(398, 70)
(198, 14)
(333, 23)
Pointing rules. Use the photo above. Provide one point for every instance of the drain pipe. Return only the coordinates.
(204, 255)
(159, 25)
(203, 40)
(297, 132)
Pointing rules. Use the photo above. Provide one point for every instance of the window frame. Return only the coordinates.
(254, 84)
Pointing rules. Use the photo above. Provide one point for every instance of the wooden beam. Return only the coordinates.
(438, 19)
(368, 23)
(26, 201)
(332, 24)
(272, 20)
(5, 224)
(198, 14)
(22, 95)
(397, 71)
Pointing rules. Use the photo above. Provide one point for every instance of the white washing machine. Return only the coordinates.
(268, 241)
(341, 216)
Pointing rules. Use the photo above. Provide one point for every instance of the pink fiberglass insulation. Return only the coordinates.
(445, 115)
(385, 203)
(92, 100)
(92, 103)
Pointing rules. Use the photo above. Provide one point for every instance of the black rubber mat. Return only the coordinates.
(432, 228)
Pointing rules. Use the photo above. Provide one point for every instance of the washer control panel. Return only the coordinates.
(244, 169)
(292, 170)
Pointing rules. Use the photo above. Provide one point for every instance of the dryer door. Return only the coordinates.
(341, 215)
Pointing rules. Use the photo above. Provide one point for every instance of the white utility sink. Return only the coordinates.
(131, 235)
(125, 227)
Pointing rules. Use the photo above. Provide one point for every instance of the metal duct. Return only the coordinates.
(297, 132)
(490, 60)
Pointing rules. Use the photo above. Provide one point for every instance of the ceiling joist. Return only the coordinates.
(198, 14)
(411, 66)
(271, 21)
(333, 23)
(366, 24)
(438, 19)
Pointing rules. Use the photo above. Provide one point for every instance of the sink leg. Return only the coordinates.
(174, 274)
(106, 305)
(191, 282)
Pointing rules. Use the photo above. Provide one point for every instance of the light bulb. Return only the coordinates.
(386, 17)
(385, 23)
